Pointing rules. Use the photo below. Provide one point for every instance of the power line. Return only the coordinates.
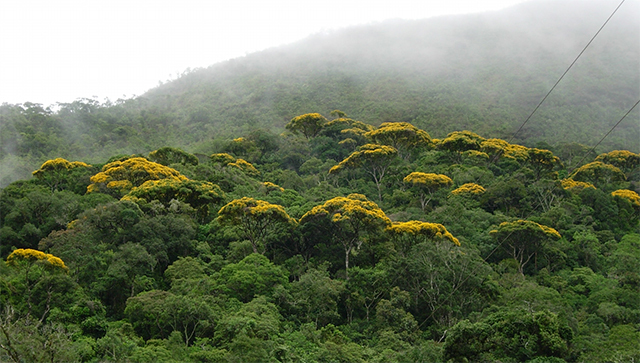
(517, 131)
(565, 72)
(607, 134)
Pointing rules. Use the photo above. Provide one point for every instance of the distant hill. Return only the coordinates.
(482, 72)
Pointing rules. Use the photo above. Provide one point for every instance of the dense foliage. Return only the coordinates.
(305, 248)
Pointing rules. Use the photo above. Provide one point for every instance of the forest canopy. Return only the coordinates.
(301, 247)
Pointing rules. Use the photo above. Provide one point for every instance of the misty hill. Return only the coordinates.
(484, 72)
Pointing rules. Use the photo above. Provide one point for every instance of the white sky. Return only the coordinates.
(60, 50)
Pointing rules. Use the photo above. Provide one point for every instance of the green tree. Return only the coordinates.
(254, 275)
(169, 155)
(164, 311)
(516, 335)
(315, 297)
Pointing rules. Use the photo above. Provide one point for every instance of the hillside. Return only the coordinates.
(336, 241)
(482, 72)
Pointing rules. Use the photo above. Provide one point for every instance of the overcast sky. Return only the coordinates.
(61, 50)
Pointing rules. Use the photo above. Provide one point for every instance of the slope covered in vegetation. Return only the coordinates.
(335, 241)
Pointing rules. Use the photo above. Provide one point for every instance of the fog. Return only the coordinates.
(61, 50)
(483, 72)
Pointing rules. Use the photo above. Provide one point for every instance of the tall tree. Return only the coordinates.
(123, 175)
(426, 184)
(374, 159)
(401, 135)
(524, 240)
(308, 124)
(256, 219)
(354, 220)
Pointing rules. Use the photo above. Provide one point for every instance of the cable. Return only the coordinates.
(565, 72)
(607, 134)
(519, 129)
(527, 217)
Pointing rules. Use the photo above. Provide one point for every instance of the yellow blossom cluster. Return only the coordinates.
(630, 195)
(427, 180)
(522, 225)
(399, 135)
(622, 159)
(132, 172)
(245, 166)
(368, 153)
(468, 189)
(271, 187)
(354, 208)
(222, 158)
(58, 164)
(575, 186)
(234, 212)
(31, 255)
(433, 231)
(194, 192)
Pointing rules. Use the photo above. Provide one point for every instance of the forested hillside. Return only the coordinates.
(482, 72)
(334, 241)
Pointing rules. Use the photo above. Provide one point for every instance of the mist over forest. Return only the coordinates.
(482, 72)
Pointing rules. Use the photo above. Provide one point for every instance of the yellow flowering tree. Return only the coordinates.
(245, 166)
(222, 159)
(227, 160)
(498, 148)
(523, 240)
(54, 173)
(374, 159)
(460, 141)
(408, 234)
(598, 172)
(575, 186)
(426, 184)
(542, 161)
(623, 159)
(403, 136)
(308, 124)
(270, 187)
(255, 219)
(352, 219)
(199, 194)
(122, 176)
(469, 189)
(33, 265)
(629, 195)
